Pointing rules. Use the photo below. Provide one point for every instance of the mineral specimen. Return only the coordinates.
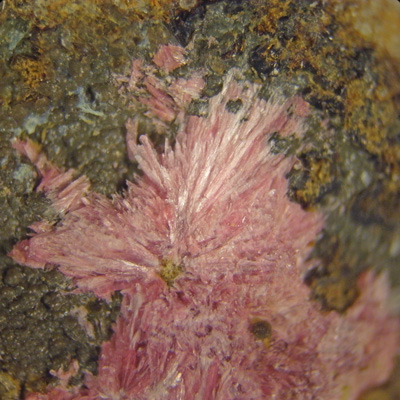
(210, 255)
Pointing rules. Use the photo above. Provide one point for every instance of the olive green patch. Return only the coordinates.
(261, 329)
(9, 387)
(233, 106)
(170, 271)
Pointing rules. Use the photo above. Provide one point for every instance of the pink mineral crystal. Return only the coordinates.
(169, 57)
(210, 256)
(166, 100)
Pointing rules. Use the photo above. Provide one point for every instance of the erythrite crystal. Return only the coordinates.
(210, 254)
(169, 57)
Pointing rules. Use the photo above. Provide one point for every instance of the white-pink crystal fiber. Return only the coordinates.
(216, 206)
